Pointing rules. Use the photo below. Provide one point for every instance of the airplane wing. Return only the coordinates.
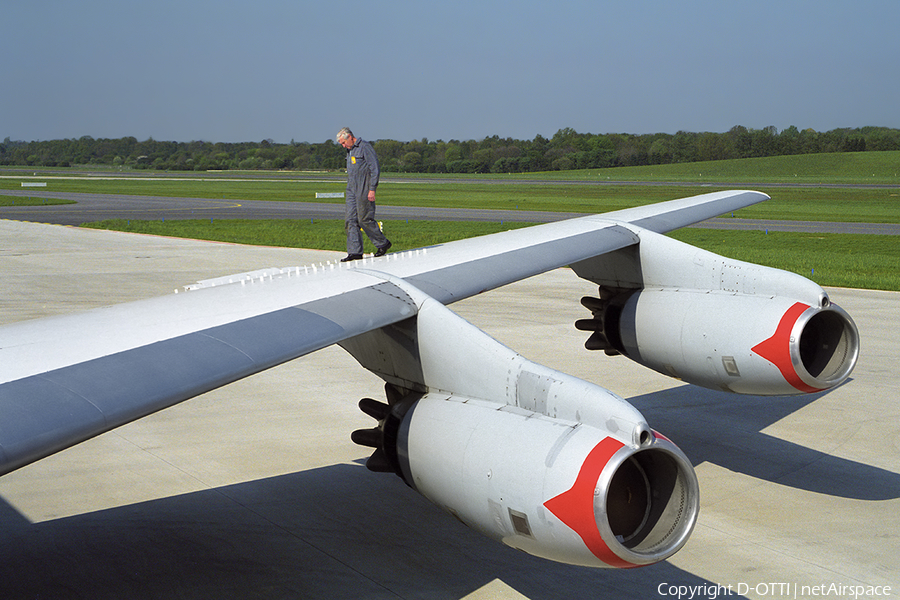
(68, 378)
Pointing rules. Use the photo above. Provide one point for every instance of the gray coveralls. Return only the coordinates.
(362, 175)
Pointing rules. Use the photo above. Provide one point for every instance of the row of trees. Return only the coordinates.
(566, 150)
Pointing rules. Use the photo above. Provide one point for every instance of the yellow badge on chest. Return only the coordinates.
(353, 159)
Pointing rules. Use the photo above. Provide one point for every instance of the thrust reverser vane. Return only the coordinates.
(383, 437)
(604, 321)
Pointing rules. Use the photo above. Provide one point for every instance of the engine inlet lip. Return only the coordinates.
(681, 530)
(850, 337)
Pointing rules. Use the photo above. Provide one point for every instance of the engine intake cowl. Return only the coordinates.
(643, 500)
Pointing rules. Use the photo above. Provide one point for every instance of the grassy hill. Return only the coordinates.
(881, 168)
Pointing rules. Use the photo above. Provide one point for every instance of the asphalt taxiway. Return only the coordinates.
(255, 490)
(98, 207)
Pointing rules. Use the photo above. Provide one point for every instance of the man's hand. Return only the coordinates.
(371, 195)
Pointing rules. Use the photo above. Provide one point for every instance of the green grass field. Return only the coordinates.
(865, 261)
(829, 259)
(320, 234)
(881, 168)
(880, 205)
(526, 192)
(28, 201)
(839, 260)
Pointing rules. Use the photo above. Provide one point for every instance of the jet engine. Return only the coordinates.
(763, 345)
(717, 322)
(556, 489)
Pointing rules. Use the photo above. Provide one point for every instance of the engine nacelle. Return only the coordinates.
(748, 344)
(557, 489)
(717, 322)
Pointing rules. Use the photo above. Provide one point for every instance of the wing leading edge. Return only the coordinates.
(64, 380)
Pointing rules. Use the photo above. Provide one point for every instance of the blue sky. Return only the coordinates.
(270, 69)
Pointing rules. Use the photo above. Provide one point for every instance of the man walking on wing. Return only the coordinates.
(362, 179)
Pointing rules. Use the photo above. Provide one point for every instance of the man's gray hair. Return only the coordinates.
(344, 133)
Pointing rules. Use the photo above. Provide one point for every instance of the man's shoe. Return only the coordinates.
(352, 257)
(383, 251)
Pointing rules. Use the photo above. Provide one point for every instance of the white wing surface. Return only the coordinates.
(66, 379)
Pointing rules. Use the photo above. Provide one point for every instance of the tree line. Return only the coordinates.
(566, 150)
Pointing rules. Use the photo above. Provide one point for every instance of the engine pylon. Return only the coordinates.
(383, 437)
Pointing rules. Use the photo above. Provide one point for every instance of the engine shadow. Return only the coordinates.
(727, 431)
(333, 532)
